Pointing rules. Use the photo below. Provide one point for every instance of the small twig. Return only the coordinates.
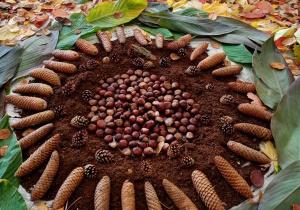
(165, 205)
(74, 203)
(143, 51)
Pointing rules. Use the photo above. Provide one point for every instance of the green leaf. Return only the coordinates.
(103, 15)
(284, 190)
(13, 157)
(2, 101)
(191, 11)
(297, 53)
(81, 1)
(157, 7)
(246, 205)
(166, 32)
(285, 126)
(238, 53)
(236, 39)
(10, 198)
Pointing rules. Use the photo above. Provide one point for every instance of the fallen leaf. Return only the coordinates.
(289, 41)
(38, 34)
(4, 133)
(256, 100)
(278, 66)
(27, 131)
(3, 150)
(46, 31)
(260, 195)
(118, 15)
(251, 200)
(212, 16)
(64, 21)
(41, 206)
(159, 147)
(265, 7)
(227, 63)
(268, 149)
(77, 32)
(215, 45)
(59, 13)
(217, 7)
(265, 166)
(253, 15)
(24, 81)
(257, 178)
(40, 20)
(6, 33)
(296, 207)
(174, 56)
(108, 34)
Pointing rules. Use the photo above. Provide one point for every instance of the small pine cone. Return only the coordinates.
(68, 55)
(121, 34)
(205, 119)
(80, 138)
(45, 74)
(242, 87)
(69, 88)
(59, 110)
(47, 177)
(227, 129)
(226, 99)
(130, 53)
(254, 111)
(187, 161)
(233, 177)
(209, 87)
(227, 71)
(192, 71)
(181, 52)
(128, 196)
(181, 201)
(181, 42)
(199, 50)
(146, 168)
(212, 60)
(38, 157)
(27, 102)
(254, 130)
(34, 136)
(60, 66)
(105, 40)
(152, 199)
(206, 191)
(138, 62)
(91, 64)
(82, 67)
(164, 62)
(159, 41)
(90, 171)
(35, 88)
(68, 187)
(103, 156)
(148, 65)
(138, 35)
(35, 119)
(174, 150)
(225, 120)
(102, 194)
(114, 57)
(79, 121)
(248, 153)
(86, 47)
(86, 95)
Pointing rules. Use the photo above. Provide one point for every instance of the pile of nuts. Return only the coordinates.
(138, 110)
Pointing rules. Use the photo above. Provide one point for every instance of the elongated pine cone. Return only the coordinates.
(35, 88)
(68, 55)
(86, 47)
(35, 119)
(237, 182)
(181, 42)
(27, 102)
(45, 74)
(114, 57)
(254, 111)
(35, 136)
(148, 65)
(92, 64)
(45, 181)
(174, 150)
(79, 121)
(226, 99)
(90, 171)
(247, 152)
(86, 95)
(121, 34)
(105, 40)
(254, 130)
(199, 50)
(68, 187)
(212, 60)
(192, 71)
(187, 161)
(181, 201)
(151, 197)
(138, 62)
(69, 88)
(103, 156)
(80, 138)
(227, 129)
(242, 87)
(60, 110)
(206, 191)
(159, 40)
(138, 35)
(60, 66)
(227, 71)
(38, 157)
(102, 194)
(225, 120)
(128, 196)
(146, 168)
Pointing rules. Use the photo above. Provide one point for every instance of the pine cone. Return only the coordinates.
(103, 156)
(146, 168)
(86, 95)
(45, 74)
(212, 60)
(164, 62)
(225, 120)
(79, 121)
(82, 67)
(47, 177)
(181, 42)
(248, 153)
(27, 102)
(233, 177)
(148, 65)
(128, 196)
(140, 37)
(68, 187)
(192, 71)
(114, 57)
(80, 138)
(209, 87)
(68, 55)
(35, 88)
(86, 47)
(226, 99)
(59, 110)
(152, 199)
(254, 130)
(205, 119)
(38, 157)
(174, 150)
(102, 194)
(227, 129)
(181, 201)
(206, 191)
(254, 111)
(130, 53)
(242, 87)
(181, 52)
(105, 40)
(159, 41)
(69, 88)
(90, 171)
(199, 50)
(227, 71)
(60, 66)
(35, 119)
(187, 161)
(34, 136)
(138, 62)
(120, 34)
(91, 64)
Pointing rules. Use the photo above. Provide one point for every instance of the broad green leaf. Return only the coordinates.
(68, 35)
(10, 198)
(191, 11)
(246, 205)
(110, 14)
(157, 7)
(297, 53)
(166, 32)
(284, 190)
(2, 101)
(13, 157)
(236, 39)
(81, 1)
(285, 126)
(238, 53)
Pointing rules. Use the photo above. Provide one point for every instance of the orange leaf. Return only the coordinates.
(59, 13)
(265, 7)
(296, 207)
(24, 81)
(40, 20)
(28, 131)
(276, 65)
(260, 195)
(253, 15)
(227, 63)
(4, 133)
(215, 45)
(256, 100)
(174, 56)
(3, 150)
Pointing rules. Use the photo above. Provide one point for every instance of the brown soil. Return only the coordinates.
(209, 142)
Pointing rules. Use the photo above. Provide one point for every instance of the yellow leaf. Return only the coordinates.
(289, 32)
(170, 2)
(268, 149)
(41, 206)
(219, 9)
(179, 4)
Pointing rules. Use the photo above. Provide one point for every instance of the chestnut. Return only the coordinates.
(184, 121)
(182, 129)
(165, 147)
(100, 133)
(123, 144)
(133, 144)
(109, 131)
(148, 151)
(91, 115)
(149, 124)
(126, 152)
(128, 130)
(101, 124)
(161, 138)
(92, 128)
(170, 138)
(178, 136)
(137, 151)
(193, 121)
(108, 138)
(142, 144)
(113, 145)
(118, 136)
(145, 131)
(190, 136)
(135, 135)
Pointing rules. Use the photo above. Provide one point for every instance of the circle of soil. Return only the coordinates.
(209, 139)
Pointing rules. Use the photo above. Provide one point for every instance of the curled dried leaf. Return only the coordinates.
(256, 100)
(46, 31)
(3, 150)
(277, 65)
(4, 133)
(215, 45)
(159, 147)
(227, 63)
(24, 81)
(174, 56)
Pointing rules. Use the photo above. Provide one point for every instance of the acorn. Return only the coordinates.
(86, 47)
(148, 65)
(187, 161)
(226, 99)
(59, 110)
(60, 66)
(90, 171)
(91, 64)
(103, 156)
(80, 138)
(174, 150)
(79, 121)
(86, 95)
(192, 71)
(199, 50)
(164, 62)
(242, 87)
(69, 87)
(138, 62)
(45, 74)
(181, 52)
(115, 57)
(227, 71)
(254, 130)
(146, 168)
(35, 88)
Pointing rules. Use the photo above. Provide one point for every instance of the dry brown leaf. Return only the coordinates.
(256, 100)
(11, 44)
(41, 206)
(212, 16)
(108, 34)
(46, 31)
(4, 133)
(289, 41)
(174, 56)
(3, 150)
(277, 65)
(215, 45)
(40, 20)
(227, 63)
(27, 131)
(265, 166)
(59, 13)
(159, 147)
(24, 81)
(296, 207)
(260, 195)
(235, 6)
(38, 34)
